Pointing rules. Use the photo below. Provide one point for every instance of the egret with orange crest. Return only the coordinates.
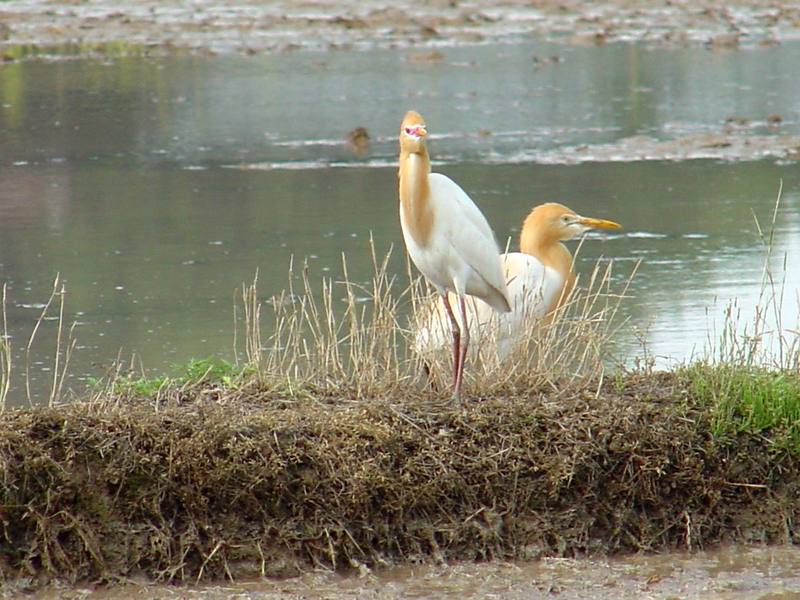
(448, 239)
(539, 278)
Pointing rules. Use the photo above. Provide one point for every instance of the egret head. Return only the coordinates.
(558, 223)
(413, 132)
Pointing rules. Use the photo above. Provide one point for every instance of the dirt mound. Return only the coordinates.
(218, 483)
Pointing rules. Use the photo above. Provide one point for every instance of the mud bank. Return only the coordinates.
(254, 27)
(727, 573)
(216, 483)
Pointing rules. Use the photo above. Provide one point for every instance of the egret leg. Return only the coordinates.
(456, 340)
(464, 344)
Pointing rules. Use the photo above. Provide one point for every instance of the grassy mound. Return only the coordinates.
(217, 480)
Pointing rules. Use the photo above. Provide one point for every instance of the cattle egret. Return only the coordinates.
(448, 239)
(539, 279)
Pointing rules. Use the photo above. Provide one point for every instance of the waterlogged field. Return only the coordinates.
(154, 193)
(153, 189)
(734, 573)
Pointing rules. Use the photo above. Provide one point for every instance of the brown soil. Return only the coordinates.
(250, 26)
(718, 146)
(217, 483)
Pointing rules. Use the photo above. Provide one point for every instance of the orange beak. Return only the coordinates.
(417, 130)
(598, 223)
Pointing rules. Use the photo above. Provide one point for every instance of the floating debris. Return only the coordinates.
(434, 56)
(358, 141)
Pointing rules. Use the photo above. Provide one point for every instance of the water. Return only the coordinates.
(730, 573)
(155, 188)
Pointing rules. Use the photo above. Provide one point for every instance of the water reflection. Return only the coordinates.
(299, 106)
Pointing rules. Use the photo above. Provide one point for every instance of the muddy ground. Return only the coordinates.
(730, 573)
(211, 483)
(214, 26)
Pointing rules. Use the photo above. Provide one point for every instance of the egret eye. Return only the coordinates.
(565, 219)
(409, 131)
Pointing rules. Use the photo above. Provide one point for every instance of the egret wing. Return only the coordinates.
(472, 241)
(448, 191)
(533, 290)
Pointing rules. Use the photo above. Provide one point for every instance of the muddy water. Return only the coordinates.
(732, 573)
(156, 187)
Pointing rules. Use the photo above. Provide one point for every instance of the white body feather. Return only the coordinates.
(533, 291)
(461, 253)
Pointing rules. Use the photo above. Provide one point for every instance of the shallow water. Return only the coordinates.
(157, 187)
(730, 573)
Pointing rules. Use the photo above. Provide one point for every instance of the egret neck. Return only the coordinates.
(415, 193)
(544, 244)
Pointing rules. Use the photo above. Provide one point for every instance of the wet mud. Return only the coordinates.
(250, 27)
(716, 146)
(728, 573)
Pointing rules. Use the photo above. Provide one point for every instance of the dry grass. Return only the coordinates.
(215, 482)
(5, 354)
(346, 337)
(356, 341)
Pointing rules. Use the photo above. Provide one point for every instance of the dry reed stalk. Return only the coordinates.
(363, 345)
(60, 369)
(761, 339)
(5, 355)
(252, 320)
(32, 338)
(62, 355)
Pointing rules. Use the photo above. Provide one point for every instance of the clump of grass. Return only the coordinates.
(750, 376)
(346, 339)
(357, 340)
(197, 372)
(752, 400)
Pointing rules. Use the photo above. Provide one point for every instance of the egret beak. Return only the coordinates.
(417, 131)
(597, 223)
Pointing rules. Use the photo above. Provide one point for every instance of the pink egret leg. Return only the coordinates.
(462, 359)
(456, 340)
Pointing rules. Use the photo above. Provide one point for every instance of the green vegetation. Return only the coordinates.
(750, 400)
(196, 372)
(115, 49)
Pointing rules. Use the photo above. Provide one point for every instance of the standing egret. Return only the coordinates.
(539, 278)
(447, 237)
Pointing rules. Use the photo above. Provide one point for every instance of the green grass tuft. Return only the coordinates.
(750, 400)
(195, 372)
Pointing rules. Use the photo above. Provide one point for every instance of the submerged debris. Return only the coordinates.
(358, 141)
